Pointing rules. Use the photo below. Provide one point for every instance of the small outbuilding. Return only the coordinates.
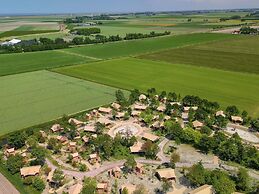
(205, 189)
(30, 171)
(166, 173)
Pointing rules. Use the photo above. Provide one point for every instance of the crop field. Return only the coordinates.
(227, 88)
(241, 55)
(24, 62)
(122, 31)
(135, 47)
(32, 98)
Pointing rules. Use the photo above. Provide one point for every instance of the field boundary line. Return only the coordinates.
(79, 55)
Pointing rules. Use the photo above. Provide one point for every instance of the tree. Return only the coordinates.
(58, 177)
(99, 127)
(243, 180)
(206, 130)
(205, 144)
(38, 184)
(221, 182)
(115, 187)
(175, 157)
(125, 191)
(150, 149)
(17, 140)
(89, 186)
(130, 164)
(54, 145)
(121, 98)
(14, 163)
(232, 111)
(140, 189)
(197, 175)
(39, 153)
(166, 185)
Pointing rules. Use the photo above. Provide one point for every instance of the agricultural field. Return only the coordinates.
(32, 98)
(136, 47)
(216, 85)
(33, 61)
(23, 62)
(241, 55)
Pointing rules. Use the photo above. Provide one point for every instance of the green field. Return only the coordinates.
(24, 62)
(241, 55)
(227, 88)
(33, 98)
(135, 47)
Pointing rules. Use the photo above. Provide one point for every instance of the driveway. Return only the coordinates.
(6, 187)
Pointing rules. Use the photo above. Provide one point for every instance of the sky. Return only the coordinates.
(103, 6)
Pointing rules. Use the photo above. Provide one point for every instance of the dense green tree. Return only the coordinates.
(38, 184)
(197, 175)
(221, 182)
(58, 178)
(14, 163)
(243, 180)
(89, 186)
(17, 140)
(206, 130)
(150, 149)
(232, 111)
(130, 164)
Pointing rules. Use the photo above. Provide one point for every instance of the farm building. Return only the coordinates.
(105, 110)
(167, 173)
(30, 171)
(102, 188)
(205, 189)
(197, 124)
(56, 128)
(129, 187)
(75, 189)
(220, 113)
(11, 42)
(236, 119)
(137, 147)
(149, 136)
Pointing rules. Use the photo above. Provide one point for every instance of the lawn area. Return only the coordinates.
(134, 47)
(24, 62)
(32, 98)
(227, 88)
(241, 55)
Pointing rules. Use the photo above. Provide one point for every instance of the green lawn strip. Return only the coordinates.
(227, 88)
(32, 98)
(20, 33)
(33, 61)
(225, 60)
(241, 55)
(136, 47)
(17, 182)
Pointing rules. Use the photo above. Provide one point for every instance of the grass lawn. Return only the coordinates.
(24, 62)
(240, 55)
(227, 88)
(33, 98)
(126, 48)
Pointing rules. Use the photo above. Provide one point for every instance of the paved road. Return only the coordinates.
(6, 187)
(161, 154)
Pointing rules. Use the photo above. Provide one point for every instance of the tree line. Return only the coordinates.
(59, 43)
